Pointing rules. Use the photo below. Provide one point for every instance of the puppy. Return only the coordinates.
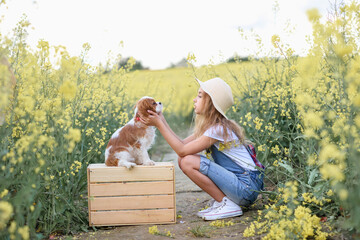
(129, 144)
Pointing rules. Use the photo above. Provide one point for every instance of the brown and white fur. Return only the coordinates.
(128, 146)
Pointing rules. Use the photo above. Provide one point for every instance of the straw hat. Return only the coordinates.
(219, 92)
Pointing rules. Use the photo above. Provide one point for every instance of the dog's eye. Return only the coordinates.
(154, 103)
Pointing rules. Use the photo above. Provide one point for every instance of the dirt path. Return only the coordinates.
(189, 226)
(189, 199)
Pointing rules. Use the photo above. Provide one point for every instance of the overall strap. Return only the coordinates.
(252, 152)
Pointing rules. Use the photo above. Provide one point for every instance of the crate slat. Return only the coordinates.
(88, 188)
(157, 164)
(134, 202)
(142, 195)
(131, 188)
(132, 217)
(137, 173)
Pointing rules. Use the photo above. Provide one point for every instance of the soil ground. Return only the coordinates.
(189, 199)
(187, 204)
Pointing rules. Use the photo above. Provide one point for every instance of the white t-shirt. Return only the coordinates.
(237, 152)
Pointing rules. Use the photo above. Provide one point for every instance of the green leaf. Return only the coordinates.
(314, 173)
(287, 167)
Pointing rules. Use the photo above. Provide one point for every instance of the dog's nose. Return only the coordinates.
(159, 103)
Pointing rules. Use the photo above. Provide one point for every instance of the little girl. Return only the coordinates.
(232, 178)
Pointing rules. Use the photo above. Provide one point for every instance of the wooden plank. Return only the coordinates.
(88, 186)
(142, 173)
(135, 194)
(110, 218)
(132, 224)
(131, 188)
(157, 164)
(134, 202)
(174, 194)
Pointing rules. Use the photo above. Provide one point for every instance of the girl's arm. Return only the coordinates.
(182, 148)
(186, 140)
(189, 139)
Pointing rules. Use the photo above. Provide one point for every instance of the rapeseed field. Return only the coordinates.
(302, 113)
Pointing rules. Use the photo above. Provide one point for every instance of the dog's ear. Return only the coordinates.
(136, 112)
(143, 106)
(141, 109)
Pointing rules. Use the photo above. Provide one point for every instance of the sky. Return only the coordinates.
(161, 32)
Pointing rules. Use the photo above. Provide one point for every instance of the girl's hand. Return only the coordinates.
(153, 120)
(162, 116)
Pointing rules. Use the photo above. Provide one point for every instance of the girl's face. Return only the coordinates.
(199, 102)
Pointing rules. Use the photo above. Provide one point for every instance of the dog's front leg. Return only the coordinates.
(143, 158)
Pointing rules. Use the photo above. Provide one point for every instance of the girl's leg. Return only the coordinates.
(190, 165)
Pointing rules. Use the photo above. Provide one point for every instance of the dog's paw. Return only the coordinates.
(128, 165)
(149, 163)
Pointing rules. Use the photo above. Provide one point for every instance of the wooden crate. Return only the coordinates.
(142, 195)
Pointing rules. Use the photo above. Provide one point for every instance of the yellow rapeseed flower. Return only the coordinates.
(12, 227)
(24, 232)
(357, 121)
(343, 194)
(313, 120)
(68, 89)
(313, 15)
(332, 171)
(6, 210)
(153, 230)
(275, 39)
(262, 148)
(275, 150)
(249, 231)
(330, 193)
(330, 151)
(4, 193)
(341, 50)
(191, 58)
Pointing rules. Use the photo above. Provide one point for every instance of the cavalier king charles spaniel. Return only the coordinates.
(129, 144)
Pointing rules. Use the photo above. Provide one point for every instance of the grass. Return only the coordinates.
(201, 231)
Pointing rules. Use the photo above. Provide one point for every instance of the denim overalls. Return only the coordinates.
(235, 182)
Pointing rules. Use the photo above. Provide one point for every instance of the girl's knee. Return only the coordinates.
(180, 162)
(184, 163)
(188, 163)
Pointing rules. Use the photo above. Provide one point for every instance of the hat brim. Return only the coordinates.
(214, 103)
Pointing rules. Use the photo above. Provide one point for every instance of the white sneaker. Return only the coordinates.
(213, 204)
(226, 209)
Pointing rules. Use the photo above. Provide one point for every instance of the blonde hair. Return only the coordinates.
(215, 118)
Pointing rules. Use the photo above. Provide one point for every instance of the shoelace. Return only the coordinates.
(221, 206)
